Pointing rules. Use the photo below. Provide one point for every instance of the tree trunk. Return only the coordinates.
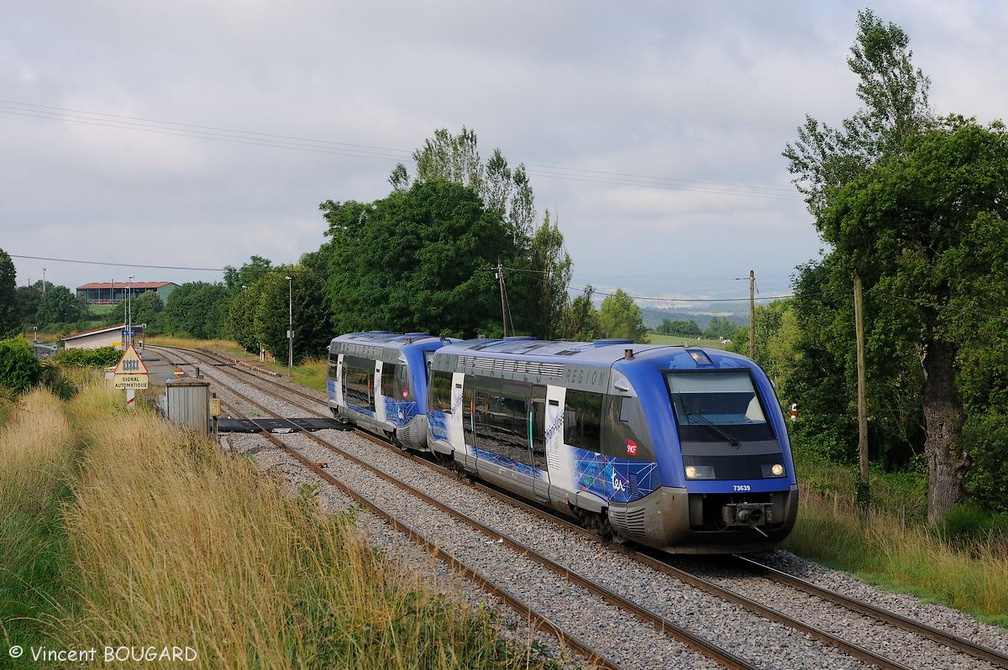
(948, 461)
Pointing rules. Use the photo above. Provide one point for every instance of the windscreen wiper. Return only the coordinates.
(711, 426)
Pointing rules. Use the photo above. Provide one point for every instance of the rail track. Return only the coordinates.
(892, 634)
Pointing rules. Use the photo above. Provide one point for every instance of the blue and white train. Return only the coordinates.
(378, 381)
(680, 448)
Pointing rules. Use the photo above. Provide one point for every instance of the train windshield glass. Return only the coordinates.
(717, 406)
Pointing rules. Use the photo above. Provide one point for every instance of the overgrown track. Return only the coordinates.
(922, 634)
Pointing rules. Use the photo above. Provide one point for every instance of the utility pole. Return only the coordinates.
(500, 280)
(752, 314)
(290, 326)
(863, 490)
(129, 311)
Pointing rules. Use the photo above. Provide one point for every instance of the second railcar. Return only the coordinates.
(684, 449)
(378, 381)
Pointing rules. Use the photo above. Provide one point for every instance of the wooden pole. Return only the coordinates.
(752, 314)
(862, 399)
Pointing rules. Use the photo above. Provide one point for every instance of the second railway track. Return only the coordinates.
(752, 640)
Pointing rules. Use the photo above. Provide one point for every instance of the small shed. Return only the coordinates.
(110, 336)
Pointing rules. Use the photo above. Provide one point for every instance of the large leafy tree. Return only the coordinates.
(830, 165)
(58, 305)
(145, 308)
(895, 99)
(277, 303)
(777, 338)
(417, 260)
(580, 318)
(925, 229)
(241, 316)
(247, 274)
(27, 299)
(505, 192)
(8, 303)
(244, 287)
(619, 316)
(195, 309)
(552, 266)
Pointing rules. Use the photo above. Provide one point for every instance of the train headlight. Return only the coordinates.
(775, 470)
(699, 472)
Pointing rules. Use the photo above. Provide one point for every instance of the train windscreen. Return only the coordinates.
(717, 406)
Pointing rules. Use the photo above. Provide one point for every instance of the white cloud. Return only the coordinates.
(700, 97)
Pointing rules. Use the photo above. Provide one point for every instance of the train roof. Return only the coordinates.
(597, 352)
(370, 343)
(384, 337)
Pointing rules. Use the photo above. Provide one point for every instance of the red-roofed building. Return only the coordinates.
(111, 293)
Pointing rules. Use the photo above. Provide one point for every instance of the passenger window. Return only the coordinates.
(583, 419)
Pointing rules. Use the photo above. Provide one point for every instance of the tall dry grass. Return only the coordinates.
(885, 548)
(36, 450)
(178, 545)
(37, 460)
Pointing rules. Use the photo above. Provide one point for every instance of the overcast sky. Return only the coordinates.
(195, 134)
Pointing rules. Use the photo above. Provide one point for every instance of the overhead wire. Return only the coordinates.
(253, 138)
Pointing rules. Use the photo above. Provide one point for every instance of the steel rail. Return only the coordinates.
(665, 626)
(539, 620)
(978, 651)
(645, 556)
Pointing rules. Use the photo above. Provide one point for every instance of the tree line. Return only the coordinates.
(910, 203)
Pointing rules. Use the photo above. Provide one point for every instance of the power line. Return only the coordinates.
(236, 136)
(123, 265)
(645, 297)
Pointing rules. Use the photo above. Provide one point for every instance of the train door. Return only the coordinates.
(379, 398)
(456, 432)
(338, 385)
(469, 418)
(537, 441)
(557, 456)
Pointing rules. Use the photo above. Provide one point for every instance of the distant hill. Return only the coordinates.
(653, 316)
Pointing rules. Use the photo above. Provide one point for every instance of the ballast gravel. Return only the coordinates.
(620, 636)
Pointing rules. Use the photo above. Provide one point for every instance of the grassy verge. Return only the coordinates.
(171, 544)
(894, 547)
(37, 460)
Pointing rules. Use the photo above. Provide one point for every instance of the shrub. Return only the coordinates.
(94, 358)
(19, 369)
(986, 439)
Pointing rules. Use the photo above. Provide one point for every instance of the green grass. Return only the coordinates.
(153, 536)
(961, 564)
(37, 454)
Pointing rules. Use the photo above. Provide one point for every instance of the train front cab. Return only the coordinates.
(727, 463)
